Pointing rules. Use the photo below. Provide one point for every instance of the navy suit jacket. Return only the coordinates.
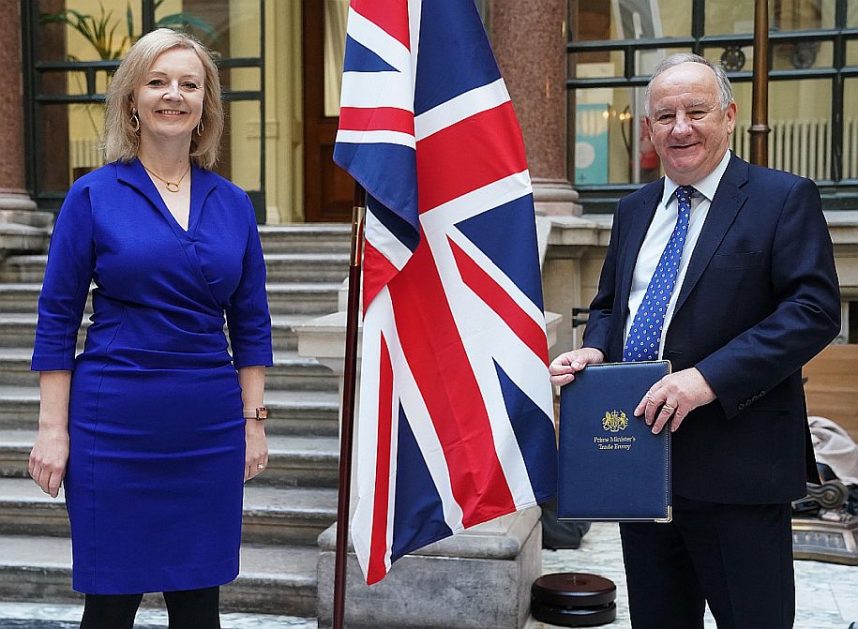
(760, 299)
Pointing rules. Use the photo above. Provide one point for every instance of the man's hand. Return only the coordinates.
(676, 394)
(564, 367)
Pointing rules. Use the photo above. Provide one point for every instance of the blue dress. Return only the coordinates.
(154, 481)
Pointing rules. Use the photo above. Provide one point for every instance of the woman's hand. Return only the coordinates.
(252, 381)
(48, 459)
(256, 457)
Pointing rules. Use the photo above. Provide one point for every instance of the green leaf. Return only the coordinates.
(129, 20)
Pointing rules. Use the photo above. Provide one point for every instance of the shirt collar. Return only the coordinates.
(706, 186)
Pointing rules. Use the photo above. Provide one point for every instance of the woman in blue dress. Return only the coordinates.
(153, 428)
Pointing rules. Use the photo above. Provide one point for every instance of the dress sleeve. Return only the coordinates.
(71, 259)
(247, 315)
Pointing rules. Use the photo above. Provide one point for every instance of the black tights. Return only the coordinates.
(187, 609)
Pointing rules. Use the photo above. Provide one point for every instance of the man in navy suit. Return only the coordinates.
(743, 293)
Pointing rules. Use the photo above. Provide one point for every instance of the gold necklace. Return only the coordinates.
(171, 186)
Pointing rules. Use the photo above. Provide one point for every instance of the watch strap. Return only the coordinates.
(260, 413)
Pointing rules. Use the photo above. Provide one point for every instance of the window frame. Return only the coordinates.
(33, 99)
(837, 193)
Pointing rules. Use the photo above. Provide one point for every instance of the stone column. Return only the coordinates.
(529, 41)
(13, 197)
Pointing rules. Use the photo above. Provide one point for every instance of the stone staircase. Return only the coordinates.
(284, 510)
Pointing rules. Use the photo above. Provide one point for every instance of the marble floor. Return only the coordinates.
(826, 594)
(30, 616)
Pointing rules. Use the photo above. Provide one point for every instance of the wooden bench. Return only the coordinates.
(832, 386)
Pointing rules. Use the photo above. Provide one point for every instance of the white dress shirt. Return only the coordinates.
(659, 233)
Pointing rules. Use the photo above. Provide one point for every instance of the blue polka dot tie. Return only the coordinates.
(645, 333)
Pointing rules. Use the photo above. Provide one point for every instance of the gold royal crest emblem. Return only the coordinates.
(615, 421)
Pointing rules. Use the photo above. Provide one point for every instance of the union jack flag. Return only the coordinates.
(455, 423)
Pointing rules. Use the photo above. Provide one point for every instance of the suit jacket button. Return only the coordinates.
(741, 406)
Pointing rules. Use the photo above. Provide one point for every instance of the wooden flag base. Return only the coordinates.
(573, 599)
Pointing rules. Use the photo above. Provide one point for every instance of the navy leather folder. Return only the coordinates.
(611, 465)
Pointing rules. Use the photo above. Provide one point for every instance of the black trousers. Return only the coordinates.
(736, 558)
(187, 609)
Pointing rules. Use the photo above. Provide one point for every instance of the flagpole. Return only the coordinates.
(349, 379)
(760, 86)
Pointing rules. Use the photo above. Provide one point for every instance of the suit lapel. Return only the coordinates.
(729, 198)
(640, 221)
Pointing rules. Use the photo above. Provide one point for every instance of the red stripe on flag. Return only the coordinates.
(377, 568)
(389, 15)
(377, 272)
(376, 119)
(468, 155)
(528, 330)
(437, 358)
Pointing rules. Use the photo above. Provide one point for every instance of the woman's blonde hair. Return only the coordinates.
(120, 139)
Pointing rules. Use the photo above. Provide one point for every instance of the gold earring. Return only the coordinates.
(200, 127)
(135, 121)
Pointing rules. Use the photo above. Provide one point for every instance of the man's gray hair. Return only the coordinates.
(724, 88)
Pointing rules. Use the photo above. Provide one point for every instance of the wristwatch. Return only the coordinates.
(260, 414)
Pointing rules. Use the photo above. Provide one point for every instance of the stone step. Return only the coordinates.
(290, 372)
(317, 298)
(287, 515)
(20, 297)
(307, 238)
(18, 329)
(307, 267)
(301, 461)
(312, 298)
(282, 267)
(30, 217)
(23, 238)
(272, 515)
(291, 303)
(273, 579)
(28, 268)
(293, 461)
(284, 330)
(15, 367)
(291, 412)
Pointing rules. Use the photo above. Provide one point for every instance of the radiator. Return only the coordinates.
(850, 149)
(803, 147)
(86, 153)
